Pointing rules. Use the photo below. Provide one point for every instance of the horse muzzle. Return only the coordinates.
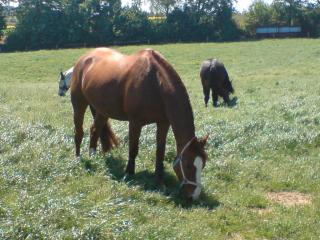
(61, 94)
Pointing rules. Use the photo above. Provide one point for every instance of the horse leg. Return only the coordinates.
(215, 98)
(95, 131)
(107, 137)
(93, 111)
(134, 134)
(78, 116)
(206, 93)
(162, 131)
(226, 98)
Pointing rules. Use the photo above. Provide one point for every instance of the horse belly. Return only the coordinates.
(148, 108)
(112, 111)
(107, 101)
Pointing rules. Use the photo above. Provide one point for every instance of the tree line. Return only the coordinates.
(302, 13)
(67, 23)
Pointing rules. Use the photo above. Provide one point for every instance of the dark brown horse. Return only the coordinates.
(142, 88)
(214, 77)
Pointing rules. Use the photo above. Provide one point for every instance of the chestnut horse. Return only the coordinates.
(141, 88)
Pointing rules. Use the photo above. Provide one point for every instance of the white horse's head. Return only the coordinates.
(65, 81)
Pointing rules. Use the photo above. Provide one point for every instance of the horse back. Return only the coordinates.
(213, 73)
(119, 86)
(142, 98)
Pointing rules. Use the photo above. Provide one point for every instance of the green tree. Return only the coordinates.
(305, 14)
(2, 20)
(75, 23)
(4, 2)
(182, 25)
(163, 7)
(52, 23)
(226, 27)
(215, 17)
(259, 14)
(39, 25)
(132, 25)
(99, 17)
(310, 20)
(287, 12)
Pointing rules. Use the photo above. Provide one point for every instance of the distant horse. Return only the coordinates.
(141, 88)
(64, 85)
(214, 76)
(65, 81)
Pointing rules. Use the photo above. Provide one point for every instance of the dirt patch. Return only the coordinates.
(236, 236)
(263, 211)
(290, 199)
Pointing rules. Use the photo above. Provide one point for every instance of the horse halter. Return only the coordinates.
(185, 180)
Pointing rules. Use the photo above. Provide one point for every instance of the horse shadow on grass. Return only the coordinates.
(146, 180)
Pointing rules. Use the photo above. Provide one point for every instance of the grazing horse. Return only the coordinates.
(64, 85)
(141, 88)
(214, 77)
(65, 81)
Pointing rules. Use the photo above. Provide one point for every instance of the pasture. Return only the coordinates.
(269, 143)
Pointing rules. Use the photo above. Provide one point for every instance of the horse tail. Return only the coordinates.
(107, 138)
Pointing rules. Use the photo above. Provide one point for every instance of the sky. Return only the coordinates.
(240, 5)
(244, 4)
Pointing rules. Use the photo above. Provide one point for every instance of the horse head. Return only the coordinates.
(228, 84)
(62, 84)
(189, 165)
(64, 81)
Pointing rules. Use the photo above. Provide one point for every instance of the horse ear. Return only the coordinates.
(61, 74)
(203, 141)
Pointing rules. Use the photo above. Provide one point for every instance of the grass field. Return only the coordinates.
(267, 144)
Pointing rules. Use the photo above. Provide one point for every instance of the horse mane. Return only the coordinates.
(166, 69)
(170, 77)
(175, 97)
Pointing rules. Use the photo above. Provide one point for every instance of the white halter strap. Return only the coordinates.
(185, 180)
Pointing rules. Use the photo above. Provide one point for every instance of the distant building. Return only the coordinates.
(278, 32)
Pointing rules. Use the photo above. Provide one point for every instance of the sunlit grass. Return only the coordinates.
(268, 142)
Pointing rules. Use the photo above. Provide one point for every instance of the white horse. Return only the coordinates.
(64, 85)
(65, 81)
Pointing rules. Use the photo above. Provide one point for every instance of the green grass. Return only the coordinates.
(268, 142)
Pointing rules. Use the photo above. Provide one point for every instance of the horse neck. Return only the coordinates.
(178, 107)
(68, 77)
